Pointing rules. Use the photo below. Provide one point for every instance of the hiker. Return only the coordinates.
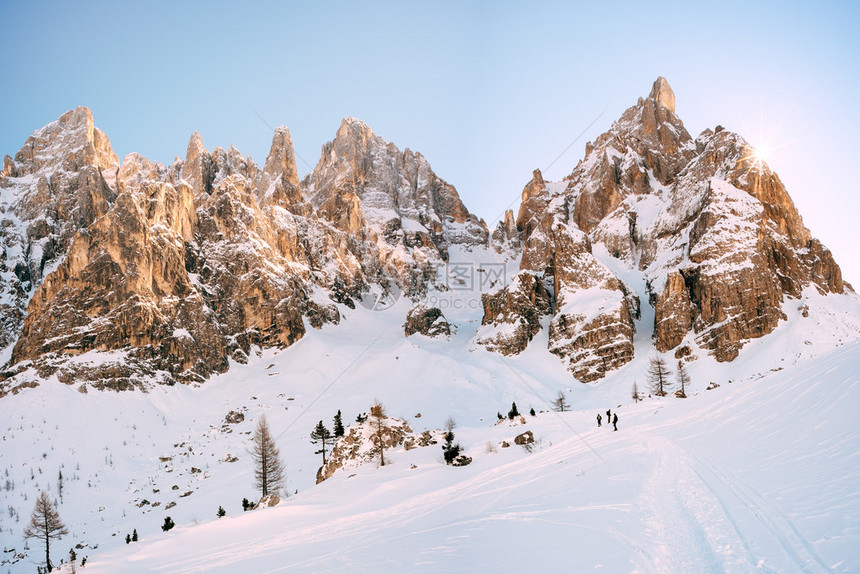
(599, 419)
(615, 421)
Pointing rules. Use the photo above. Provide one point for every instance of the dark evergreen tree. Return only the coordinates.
(513, 412)
(221, 512)
(134, 535)
(128, 538)
(360, 418)
(320, 434)
(532, 412)
(500, 416)
(450, 450)
(338, 425)
(168, 524)
(246, 506)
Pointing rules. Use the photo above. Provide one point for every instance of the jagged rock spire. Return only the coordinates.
(662, 94)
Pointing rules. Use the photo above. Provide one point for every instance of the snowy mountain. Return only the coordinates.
(261, 293)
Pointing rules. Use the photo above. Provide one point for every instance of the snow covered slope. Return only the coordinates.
(757, 474)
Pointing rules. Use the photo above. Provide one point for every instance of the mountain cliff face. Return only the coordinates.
(116, 274)
(709, 229)
(178, 269)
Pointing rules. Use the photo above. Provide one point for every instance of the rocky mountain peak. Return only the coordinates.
(701, 230)
(70, 142)
(662, 94)
(281, 161)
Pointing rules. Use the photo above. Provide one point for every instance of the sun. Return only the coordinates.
(761, 153)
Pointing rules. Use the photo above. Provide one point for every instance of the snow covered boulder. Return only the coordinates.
(428, 321)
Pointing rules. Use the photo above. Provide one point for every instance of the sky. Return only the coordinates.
(486, 91)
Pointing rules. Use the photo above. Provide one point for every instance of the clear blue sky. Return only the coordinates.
(486, 91)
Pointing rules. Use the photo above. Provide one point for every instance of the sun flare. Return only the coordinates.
(761, 153)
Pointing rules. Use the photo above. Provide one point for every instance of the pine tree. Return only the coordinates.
(338, 425)
(560, 403)
(168, 524)
(513, 413)
(45, 524)
(134, 535)
(268, 468)
(246, 506)
(320, 434)
(635, 393)
(128, 538)
(683, 378)
(532, 412)
(221, 512)
(450, 451)
(377, 411)
(658, 375)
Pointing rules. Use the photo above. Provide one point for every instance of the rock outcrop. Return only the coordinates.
(173, 272)
(706, 233)
(61, 181)
(428, 321)
(361, 444)
(118, 275)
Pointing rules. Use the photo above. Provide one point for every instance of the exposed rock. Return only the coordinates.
(61, 180)
(268, 500)
(462, 460)
(428, 321)
(361, 444)
(512, 315)
(673, 313)
(710, 227)
(524, 438)
(234, 417)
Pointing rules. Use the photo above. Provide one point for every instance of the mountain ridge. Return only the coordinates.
(183, 268)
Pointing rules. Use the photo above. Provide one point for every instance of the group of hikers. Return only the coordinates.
(610, 419)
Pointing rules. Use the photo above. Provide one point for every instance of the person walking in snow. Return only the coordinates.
(599, 419)
(615, 421)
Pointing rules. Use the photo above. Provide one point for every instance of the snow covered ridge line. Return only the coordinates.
(692, 244)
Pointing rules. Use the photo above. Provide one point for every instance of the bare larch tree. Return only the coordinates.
(45, 524)
(683, 378)
(658, 375)
(377, 411)
(560, 403)
(268, 467)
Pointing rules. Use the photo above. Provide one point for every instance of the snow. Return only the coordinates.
(758, 474)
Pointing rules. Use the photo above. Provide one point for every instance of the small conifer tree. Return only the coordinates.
(338, 425)
(168, 524)
(221, 512)
(134, 535)
(450, 450)
(513, 413)
(320, 434)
